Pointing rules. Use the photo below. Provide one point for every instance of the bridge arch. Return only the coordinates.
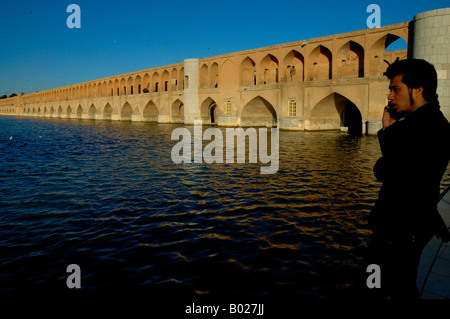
(123, 87)
(351, 60)
(177, 111)
(377, 64)
(258, 112)
(227, 74)
(155, 81)
(204, 76)
(116, 87)
(146, 83)
(335, 111)
(165, 81)
(209, 111)
(92, 111)
(107, 111)
(126, 112)
(174, 79)
(268, 70)
(150, 112)
(137, 85)
(214, 75)
(248, 72)
(293, 67)
(130, 87)
(79, 111)
(320, 63)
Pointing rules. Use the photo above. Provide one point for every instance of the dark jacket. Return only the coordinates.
(415, 154)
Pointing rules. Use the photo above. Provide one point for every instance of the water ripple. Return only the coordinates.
(107, 196)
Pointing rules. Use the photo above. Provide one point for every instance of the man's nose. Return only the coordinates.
(390, 96)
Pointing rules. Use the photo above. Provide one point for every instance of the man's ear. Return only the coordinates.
(418, 91)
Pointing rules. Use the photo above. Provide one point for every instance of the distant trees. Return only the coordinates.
(4, 96)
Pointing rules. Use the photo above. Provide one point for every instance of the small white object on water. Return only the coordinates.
(11, 138)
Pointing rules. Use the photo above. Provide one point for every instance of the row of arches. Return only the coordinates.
(258, 111)
(7, 109)
(296, 66)
(299, 64)
(149, 112)
(148, 82)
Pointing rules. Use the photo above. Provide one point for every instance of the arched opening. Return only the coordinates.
(107, 111)
(150, 112)
(116, 87)
(129, 88)
(382, 57)
(269, 70)
(181, 79)
(69, 111)
(92, 112)
(155, 81)
(351, 119)
(227, 74)
(165, 80)
(204, 76)
(351, 61)
(146, 83)
(59, 111)
(177, 112)
(212, 113)
(248, 72)
(208, 111)
(137, 85)
(335, 112)
(123, 87)
(294, 65)
(398, 44)
(320, 64)
(174, 80)
(214, 75)
(79, 111)
(258, 112)
(126, 112)
(110, 88)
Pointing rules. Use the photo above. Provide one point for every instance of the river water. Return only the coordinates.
(108, 197)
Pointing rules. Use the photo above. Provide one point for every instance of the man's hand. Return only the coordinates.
(387, 119)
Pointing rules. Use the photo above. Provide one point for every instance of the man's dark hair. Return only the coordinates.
(416, 73)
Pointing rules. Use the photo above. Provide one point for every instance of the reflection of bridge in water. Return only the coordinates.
(328, 83)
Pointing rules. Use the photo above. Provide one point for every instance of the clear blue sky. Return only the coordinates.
(38, 51)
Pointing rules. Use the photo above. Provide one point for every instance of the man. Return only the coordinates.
(414, 145)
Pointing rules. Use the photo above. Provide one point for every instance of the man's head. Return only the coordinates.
(413, 83)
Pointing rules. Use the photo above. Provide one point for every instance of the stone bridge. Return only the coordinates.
(334, 82)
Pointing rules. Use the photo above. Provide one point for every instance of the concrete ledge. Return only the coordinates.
(433, 278)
